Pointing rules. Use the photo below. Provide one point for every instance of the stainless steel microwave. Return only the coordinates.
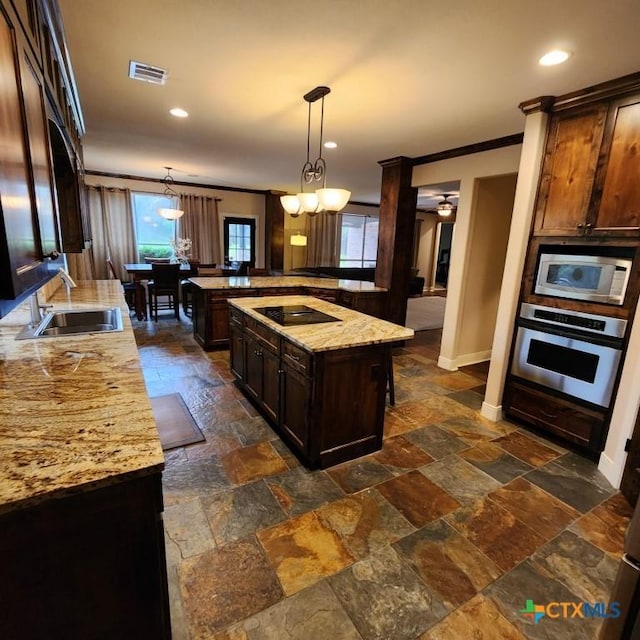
(583, 277)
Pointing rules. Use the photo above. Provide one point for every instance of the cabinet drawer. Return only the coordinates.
(235, 315)
(323, 294)
(262, 333)
(555, 415)
(347, 298)
(296, 357)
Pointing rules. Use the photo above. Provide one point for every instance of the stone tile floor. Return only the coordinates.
(444, 534)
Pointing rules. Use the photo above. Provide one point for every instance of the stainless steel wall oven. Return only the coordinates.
(573, 353)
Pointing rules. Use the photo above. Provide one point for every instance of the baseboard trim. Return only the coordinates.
(611, 470)
(462, 361)
(491, 412)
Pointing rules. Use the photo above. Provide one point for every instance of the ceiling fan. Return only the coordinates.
(445, 207)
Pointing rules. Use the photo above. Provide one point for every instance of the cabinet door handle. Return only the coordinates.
(579, 225)
(296, 358)
(280, 371)
(589, 225)
(548, 415)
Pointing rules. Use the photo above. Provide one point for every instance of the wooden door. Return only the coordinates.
(253, 368)
(568, 171)
(616, 201)
(236, 347)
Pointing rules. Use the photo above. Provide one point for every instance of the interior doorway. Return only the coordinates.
(443, 254)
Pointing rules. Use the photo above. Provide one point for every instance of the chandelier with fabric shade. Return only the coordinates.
(170, 213)
(323, 199)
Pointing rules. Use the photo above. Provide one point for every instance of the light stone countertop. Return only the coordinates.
(74, 411)
(355, 329)
(262, 282)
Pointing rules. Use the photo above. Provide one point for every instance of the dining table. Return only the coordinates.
(142, 272)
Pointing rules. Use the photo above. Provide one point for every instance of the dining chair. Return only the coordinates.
(186, 286)
(129, 288)
(165, 282)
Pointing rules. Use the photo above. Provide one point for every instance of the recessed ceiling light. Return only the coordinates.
(178, 113)
(557, 56)
(330, 144)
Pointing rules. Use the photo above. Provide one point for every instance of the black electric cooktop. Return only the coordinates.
(295, 315)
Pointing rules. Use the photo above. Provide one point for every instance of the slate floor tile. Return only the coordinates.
(385, 599)
(303, 550)
(186, 524)
(460, 479)
(299, 490)
(365, 521)
(437, 442)
(417, 498)
(495, 461)
(252, 463)
(249, 585)
(479, 619)
(309, 614)
(238, 512)
(399, 455)
(565, 485)
(447, 562)
(605, 526)
(540, 511)
(526, 582)
(473, 430)
(527, 449)
(192, 478)
(496, 532)
(359, 474)
(586, 570)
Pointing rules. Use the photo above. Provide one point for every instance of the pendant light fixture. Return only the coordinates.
(323, 199)
(170, 213)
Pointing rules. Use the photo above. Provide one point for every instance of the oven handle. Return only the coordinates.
(603, 341)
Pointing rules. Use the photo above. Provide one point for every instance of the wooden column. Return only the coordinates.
(398, 200)
(274, 231)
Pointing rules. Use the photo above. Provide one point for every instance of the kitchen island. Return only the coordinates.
(211, 311)
(316, 370)
(80, 482)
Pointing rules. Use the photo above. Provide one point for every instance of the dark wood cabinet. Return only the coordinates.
(563, 418)
(588, 184)
(20, 254)
(328, 405)
(568, 171)
(90, 565)
(294, 416)
(616, 198)
(211, 311)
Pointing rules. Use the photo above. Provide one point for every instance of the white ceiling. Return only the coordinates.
(407, 77)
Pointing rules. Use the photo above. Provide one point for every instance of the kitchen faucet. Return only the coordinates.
(36, 309)
(67, 279)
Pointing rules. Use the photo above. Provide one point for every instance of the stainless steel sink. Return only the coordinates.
(66, 323)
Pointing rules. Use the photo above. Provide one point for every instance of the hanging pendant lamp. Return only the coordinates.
(323, 199)
(170, 213)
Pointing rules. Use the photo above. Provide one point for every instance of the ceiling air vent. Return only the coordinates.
(147, 73)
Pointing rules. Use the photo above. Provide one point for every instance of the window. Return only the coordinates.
(358, 241)
(153, 232)
(239, 241)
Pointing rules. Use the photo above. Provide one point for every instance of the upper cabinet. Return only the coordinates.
(41, 173)
(588, 184)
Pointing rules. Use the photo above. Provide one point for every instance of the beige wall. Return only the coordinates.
(427, 248)
(468, 170)
(489, 229)
(233, 204)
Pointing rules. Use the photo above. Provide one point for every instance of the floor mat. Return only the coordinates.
(426, 312)
(175, 423)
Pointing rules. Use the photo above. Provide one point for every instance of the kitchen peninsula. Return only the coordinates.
(211, 312)
(318, 371)
(80, 482)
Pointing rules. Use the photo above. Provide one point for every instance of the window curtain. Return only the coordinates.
(112, 229)
(200, 223)
(323, 240)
